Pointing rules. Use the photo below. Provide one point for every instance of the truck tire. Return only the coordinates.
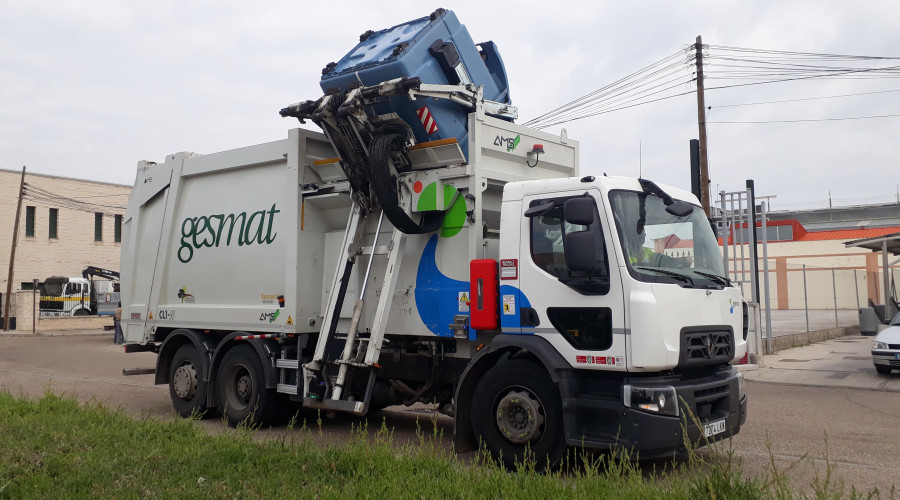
(516, 412)
(187, 388)
(242, 391)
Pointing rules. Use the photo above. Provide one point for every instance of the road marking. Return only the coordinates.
(85, 379)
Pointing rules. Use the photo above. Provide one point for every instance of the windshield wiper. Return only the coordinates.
(722, 280)
(672, 274)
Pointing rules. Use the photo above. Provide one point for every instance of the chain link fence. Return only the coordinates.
(824, 297)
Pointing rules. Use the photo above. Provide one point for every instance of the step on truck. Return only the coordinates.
(425, 248)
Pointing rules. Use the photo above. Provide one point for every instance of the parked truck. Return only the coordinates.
(80, 296)
(426, 248)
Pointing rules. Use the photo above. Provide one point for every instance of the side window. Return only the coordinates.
(547, 243)
(548, 231)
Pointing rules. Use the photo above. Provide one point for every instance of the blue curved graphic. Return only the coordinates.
(437, 297)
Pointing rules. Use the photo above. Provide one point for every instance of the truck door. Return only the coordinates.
(566, 248)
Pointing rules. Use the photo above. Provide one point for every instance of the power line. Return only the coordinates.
(37, 194)
(753, 66)
(812, 119)
(641, 84)
(806, 99)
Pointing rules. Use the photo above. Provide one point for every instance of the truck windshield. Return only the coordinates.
(663, 247)
(52, 288)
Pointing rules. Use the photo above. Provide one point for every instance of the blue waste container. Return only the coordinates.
(433, 49)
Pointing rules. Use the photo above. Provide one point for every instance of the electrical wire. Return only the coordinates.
(36, 194)
(634, 89)
(659, 80)
(806, 99)
(811, 119)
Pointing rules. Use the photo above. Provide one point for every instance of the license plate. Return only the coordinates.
(897, 356)
(713, 428)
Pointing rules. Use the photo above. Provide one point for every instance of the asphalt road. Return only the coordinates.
(794, 427)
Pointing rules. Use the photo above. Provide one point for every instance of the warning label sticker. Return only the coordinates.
(290, 320)
(509, 269)
(509, 304)
(601, 360)
(463, 301)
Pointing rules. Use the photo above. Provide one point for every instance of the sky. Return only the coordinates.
(89, 88)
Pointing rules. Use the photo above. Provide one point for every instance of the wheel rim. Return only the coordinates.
(184, 381)
(240, 387)
(519, 416)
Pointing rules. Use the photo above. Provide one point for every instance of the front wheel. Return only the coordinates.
(883, 369)
(516, 412)
(242, 391)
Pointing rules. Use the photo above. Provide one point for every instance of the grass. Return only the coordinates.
(56, 448)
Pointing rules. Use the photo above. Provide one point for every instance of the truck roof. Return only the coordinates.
(516, 190)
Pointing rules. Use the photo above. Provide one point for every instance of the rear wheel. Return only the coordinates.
(187, 388)
(883, 369)
(242, 391)
(517, 414)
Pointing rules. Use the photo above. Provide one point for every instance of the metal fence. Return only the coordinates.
(802, 287)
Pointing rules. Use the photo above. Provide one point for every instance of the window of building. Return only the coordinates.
(98, 226)
(29, 221)
(54, 217)
(118, 229)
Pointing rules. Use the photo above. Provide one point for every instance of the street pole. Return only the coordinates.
(12, 251)
(701, 122)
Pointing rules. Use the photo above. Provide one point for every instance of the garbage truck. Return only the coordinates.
(424, 248)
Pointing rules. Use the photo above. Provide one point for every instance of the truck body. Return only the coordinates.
(367, 267)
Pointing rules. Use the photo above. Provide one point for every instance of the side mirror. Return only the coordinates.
(579, 211)
(680, 208)
(580, 251)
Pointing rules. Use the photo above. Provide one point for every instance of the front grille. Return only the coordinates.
(709, 401)
(894, 346)
(706, 347)
(710, 393)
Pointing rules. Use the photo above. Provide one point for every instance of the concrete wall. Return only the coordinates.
(40, 256)
(25, 315)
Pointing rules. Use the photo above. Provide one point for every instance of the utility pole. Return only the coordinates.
(701, 121)
(12, 251)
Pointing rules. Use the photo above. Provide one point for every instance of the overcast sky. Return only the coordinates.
(88, 88)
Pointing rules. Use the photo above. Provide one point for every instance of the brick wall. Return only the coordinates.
(76, 201)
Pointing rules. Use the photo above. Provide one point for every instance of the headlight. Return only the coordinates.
(659, 399)
(880, 345)
(740, 377)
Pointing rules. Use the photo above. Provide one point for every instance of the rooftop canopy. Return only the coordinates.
(889, 242)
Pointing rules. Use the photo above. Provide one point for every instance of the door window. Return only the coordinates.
(549, 228)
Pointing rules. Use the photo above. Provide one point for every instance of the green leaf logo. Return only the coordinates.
(514, 144)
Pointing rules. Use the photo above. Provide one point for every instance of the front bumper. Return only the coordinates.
(886, 358)
(598, 420)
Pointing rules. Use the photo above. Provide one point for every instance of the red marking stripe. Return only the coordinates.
(427, 120)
